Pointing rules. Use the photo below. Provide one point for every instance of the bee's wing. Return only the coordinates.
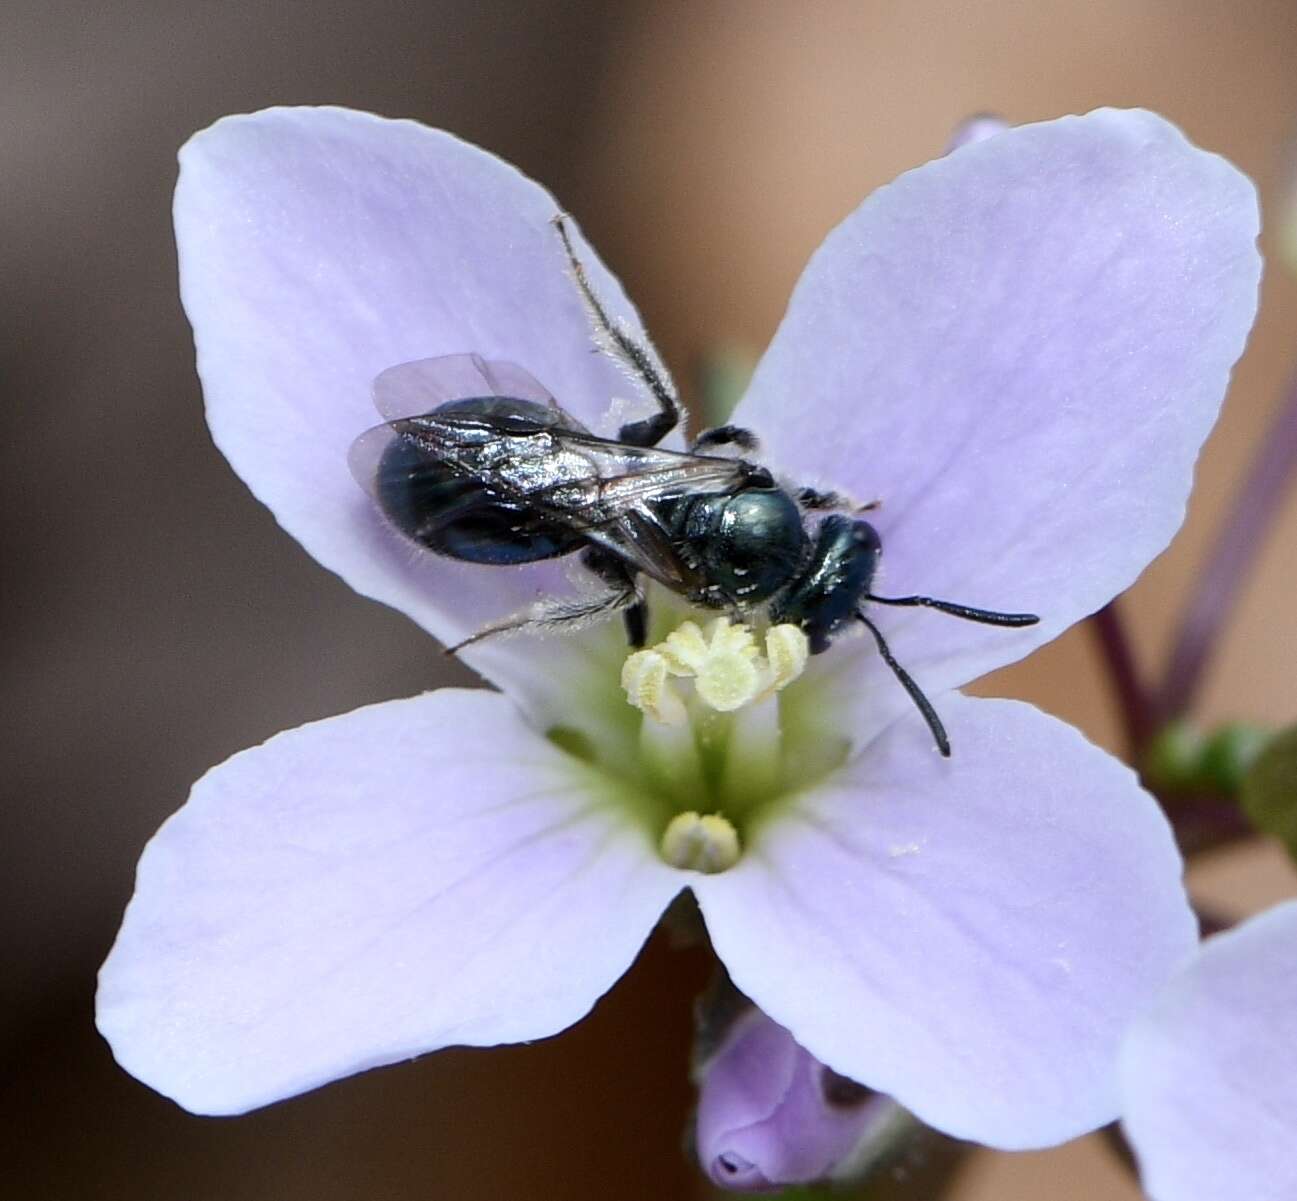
(366, 454)
(607, 478)
(613, 505)
(639, 539)
(411, 389)
(598, 487)
(512, 454)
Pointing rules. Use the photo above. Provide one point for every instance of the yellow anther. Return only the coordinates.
(726, 638)
(787, 650)
(644, 677)
(728, 680)
(700, 844)
(728, 668)
(685, 649)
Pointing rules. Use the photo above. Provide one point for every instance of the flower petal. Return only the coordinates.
(767, 1115)
(1209, 1079)
(319, 247)
(1019, 349)
(969, 935)
(363, 889)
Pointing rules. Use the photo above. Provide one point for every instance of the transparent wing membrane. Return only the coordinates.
(412, 389)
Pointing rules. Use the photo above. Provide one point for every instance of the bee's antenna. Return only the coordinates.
(967, 612)
(907, 682)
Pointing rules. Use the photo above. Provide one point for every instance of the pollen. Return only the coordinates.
(707, 844)
(727, 666)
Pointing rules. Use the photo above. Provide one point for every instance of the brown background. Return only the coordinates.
(155, 620)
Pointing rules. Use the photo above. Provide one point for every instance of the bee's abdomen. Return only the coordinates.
(460, 517)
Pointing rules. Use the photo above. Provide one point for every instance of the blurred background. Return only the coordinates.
(155, 620)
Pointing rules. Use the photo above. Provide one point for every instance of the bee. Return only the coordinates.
(478, 462)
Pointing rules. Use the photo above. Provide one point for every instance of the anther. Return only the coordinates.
(727, 667)
(644, 677)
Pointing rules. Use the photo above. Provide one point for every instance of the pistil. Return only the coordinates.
(710, 734)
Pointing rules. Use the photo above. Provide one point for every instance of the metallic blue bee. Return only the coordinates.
(478, 462)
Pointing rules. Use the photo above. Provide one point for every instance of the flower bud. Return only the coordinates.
(770, 1114)
(975, 129)
(1230, 753)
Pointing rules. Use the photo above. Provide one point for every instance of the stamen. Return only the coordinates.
(701, 844)
(787, 650)
(728, 669)
(644, 677)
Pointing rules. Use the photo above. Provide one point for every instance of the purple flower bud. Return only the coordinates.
(975, 129)
(770, 1114)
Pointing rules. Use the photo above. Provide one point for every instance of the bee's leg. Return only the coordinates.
(638, 359)
(726, 435)
(618, 576)
(558, 615)
(636, 619)
(813, 498)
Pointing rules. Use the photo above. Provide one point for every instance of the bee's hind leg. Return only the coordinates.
(637, 358)
(558, 616)
(565, 615)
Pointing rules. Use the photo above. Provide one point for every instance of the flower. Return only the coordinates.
(770, 1114)
(1209, 1078)
(1018, 349)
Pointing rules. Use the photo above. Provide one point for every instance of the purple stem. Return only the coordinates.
(1133, 700)
(1228, 563)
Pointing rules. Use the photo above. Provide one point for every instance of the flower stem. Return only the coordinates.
(1134, 701)
(1228, 563)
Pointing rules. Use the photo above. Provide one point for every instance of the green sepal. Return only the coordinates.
(1180, 759)
(1230, 754)
(1269, 792)
(1173, 760)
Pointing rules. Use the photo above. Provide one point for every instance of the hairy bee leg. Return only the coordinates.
(638, 359)
(614, 572)
(557, 615)
(813, 498)
(726, 435)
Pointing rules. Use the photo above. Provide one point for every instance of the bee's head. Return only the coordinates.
(837, 576)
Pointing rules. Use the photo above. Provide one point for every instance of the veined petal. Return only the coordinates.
(1209, 1077)
(970, 935)
(412, 875)
(1018, 349)
(320, 246)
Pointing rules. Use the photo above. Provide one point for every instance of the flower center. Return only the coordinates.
(714, 727)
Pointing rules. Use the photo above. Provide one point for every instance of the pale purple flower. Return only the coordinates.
(770, 1114)
(1209, 1072)
(1018, 348)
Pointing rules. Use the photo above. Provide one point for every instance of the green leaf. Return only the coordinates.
(1269, 791)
